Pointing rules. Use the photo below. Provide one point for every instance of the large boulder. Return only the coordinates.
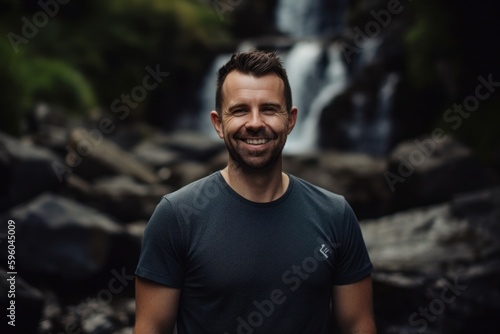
(92, 156)
(358, 177)
(191, 145)
(432, 168)
(439, 264)
(26, 170)
(155, 155)
(62, 239)
(120, 196)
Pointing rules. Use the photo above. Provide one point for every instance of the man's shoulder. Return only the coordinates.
(206, 186)
(318, 194)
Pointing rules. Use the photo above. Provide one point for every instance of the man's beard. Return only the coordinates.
(246, 160)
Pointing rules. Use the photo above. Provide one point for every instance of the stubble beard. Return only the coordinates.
(245, 163)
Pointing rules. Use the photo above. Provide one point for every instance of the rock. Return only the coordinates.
(191, 145)
(52, 311)
(52, 137)
(28, 304)
(120, 196)
(90, 317)
(358, 177)
(126, 199)
(137, 228)
(94, 316)
(155, 155)
(445, 258)
(95, 156)
(430, 170)
(62, 239)
(25, 171)
(187, 172)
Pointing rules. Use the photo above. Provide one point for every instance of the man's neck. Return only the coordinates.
(257, 186)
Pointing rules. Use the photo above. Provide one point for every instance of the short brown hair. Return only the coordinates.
(257, 63)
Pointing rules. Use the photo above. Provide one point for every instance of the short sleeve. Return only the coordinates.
(352, 262)
(161, 258)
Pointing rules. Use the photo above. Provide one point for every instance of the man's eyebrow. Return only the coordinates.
(238, 105)
(263, 105)
(272, 104)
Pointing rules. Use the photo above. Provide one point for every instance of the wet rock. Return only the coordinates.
(94, 316)
(358, 177)
(120, 196)
(26, 170)
(126, 199)
(94, 156)
(433, 168)
(187, 172)
(191, 145)
(60, 238)
(155, 155)
(443, 258)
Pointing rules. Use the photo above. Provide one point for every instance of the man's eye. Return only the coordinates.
(270, 110)
(238, 111)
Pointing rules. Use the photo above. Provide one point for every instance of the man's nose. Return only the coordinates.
(255, 120)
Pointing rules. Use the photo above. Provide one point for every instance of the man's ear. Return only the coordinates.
(217, 123)
(292, 118)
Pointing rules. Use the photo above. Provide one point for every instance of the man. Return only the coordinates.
(251, 249)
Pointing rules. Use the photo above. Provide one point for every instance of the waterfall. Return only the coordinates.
(318, 73)
(373, 134)
(303, 66)
(305, 135)
(370, 48)
(208, 96)
(311, 18)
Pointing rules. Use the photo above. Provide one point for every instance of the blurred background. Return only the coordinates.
(106, 108)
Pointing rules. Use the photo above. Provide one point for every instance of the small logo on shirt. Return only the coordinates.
(324, 250)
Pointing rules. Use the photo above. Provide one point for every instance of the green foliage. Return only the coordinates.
(429, 41)
(57, 83)
(93, 51)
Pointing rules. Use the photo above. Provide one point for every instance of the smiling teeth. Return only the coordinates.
(256, 141)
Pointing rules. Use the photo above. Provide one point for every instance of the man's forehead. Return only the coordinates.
(240, 84)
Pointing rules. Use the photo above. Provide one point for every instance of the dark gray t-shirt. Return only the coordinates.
(247, 267)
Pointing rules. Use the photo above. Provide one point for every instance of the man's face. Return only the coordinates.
(254, 122)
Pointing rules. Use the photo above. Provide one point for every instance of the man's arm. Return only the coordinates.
(156, 307)
(353, 307)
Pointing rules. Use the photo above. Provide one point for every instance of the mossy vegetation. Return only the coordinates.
(88, 53)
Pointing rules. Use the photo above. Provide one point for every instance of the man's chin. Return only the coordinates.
(258, 163)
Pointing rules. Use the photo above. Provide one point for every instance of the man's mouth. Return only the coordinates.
(259, 141)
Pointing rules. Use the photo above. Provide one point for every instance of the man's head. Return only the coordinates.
(256, 63)
(254, 113)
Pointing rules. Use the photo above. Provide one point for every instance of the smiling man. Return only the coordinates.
(251, 249)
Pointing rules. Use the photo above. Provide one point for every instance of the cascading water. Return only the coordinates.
(311, 18)
(373, 134)
(208, 97)
(318, 74)
(304, 136)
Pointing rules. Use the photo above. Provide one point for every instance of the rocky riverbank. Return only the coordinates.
(80, 199)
